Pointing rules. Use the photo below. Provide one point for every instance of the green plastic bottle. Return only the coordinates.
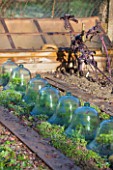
(19, 79)
(46, 101)
(34, 85)
(6, 70)
(103, 142)
(84, 122)
(65, 110)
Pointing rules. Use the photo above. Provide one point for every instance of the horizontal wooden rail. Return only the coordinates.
(37, 33)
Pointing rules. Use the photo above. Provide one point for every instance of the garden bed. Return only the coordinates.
(101, 89)
(73, 148)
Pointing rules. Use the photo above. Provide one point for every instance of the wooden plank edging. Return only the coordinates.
(51, 156)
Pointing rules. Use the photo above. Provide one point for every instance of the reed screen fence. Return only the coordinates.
(50, 8)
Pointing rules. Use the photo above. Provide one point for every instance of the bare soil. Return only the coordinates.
(101, 88)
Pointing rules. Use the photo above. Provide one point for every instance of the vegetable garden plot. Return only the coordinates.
(67, 146)
(54, 135)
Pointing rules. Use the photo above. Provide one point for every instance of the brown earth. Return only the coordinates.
(101, 88)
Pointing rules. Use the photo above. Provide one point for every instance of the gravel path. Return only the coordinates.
(19, 148)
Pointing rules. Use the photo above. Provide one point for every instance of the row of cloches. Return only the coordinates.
(81, 121)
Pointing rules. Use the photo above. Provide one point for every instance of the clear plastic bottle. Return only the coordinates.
(33, 87)
(84, 122)
(103, 142)
(19, 79)
(6, 70)
(46, 101)
(65, 109)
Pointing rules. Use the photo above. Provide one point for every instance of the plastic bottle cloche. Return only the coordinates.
(6, 70)
(33, 87)
(103, 142)
(65, 109)
(46, 101)
(84, 123)
(19, 79)
(21, 73)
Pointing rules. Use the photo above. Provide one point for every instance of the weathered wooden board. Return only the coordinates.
(51, 156)
(24, 40)
(33, 33)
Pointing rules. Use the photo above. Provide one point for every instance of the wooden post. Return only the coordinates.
(110, 20)
(103, 11)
